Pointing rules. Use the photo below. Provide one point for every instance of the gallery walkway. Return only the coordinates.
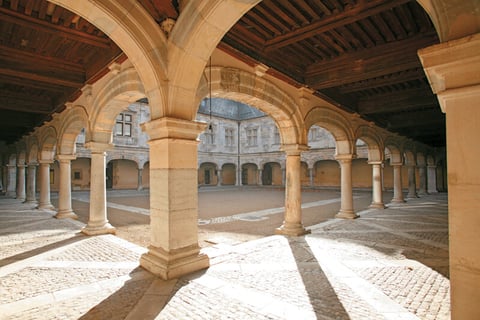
(388, 264)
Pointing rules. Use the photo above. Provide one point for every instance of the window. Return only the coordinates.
(77, 175)
(210, 135)
(123, 126)
(276, 136)
(252, 137)
(229, 141)
(314, 134)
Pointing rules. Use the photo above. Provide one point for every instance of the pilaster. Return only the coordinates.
(453, 70)
(174, 249)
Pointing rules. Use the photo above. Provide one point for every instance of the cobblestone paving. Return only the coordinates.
(388, 264)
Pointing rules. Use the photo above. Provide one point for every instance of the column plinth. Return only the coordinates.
(346, 204)
(292, 225)
(174, 249)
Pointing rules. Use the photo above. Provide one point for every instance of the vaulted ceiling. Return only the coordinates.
(361, 55)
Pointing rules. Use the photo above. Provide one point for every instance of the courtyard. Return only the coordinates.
(387, 264)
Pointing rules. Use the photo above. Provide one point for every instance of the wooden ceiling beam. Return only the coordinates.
(355, 13)
(58, 30)
(359, 66)
(41, 78)
(391, 79)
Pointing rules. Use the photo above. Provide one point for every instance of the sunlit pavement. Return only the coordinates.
(388, 264)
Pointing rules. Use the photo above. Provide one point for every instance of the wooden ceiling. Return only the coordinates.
(358, 54)
(47, 54)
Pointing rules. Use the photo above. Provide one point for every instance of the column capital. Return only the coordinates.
(45, 161)
(294, 149)
(21, 165)
(173, 128)
(65, 157)
(98, 147)
(346, 156)
(33, 163)
(396, 164)
(375, 162)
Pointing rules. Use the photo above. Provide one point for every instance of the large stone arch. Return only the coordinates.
(336, 124)
(453, 19)
(248, 88)
(21, 153)
(73, 121)
(115, 96)
(32, 150)
(138, 35)
(374, 142)
(196, 34)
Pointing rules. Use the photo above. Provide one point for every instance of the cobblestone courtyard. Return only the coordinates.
(388, 264)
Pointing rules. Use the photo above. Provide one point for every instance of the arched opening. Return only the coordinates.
(272, 174)
(122, 174)
(207, 174)
(327, 173)
(229, 174)
(249, 174)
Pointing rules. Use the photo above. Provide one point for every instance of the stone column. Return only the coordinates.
(412, 191)
(453, 70)
(239, 176)
(44, 178)
(397, 183)
(310, 173)
(97, 220)
(21, 182)
(432, 179)
(292, 225)
(284, 176)
(346, 205)
(219, 178)
(422, 172)
(31, 187)
(174, 249)
(377, 194)
(65, 191)
(259, 177)
(140, 178)
(11, 181)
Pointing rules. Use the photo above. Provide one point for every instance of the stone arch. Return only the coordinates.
(395, 150)
(48, 143)
(32, 149)
(130, 157)
(248, 88)
(430, 160)
(452, 22)
(73, 121)
(196, 34)
(421, 161)
(122, 90)
(336, 124)
(12, 159)
(229, 173)
(129, 25)
(374, 142)
(21, 153)
(208, 173)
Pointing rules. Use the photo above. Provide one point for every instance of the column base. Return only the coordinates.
(11, 194)
(346, 215)
(292, 230)
(46, 207)
(377, 205)
(174, 264)
(105, 228)
(66, 214)
(33, 203)
(397, 202)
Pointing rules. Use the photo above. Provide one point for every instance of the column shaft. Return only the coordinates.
(292, 225)
(140, 180)
(21, 182)
(65, 192)
(346, 205)
(31, 187)
(397, 184)
(422, 173)
(310, 173)
(11, 181)
(412, 191)
(432, 179)
(259, 177)
(97, 220)
(377, 195)
(44, 177)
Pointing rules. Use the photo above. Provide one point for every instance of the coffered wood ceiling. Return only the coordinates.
(360, 55)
